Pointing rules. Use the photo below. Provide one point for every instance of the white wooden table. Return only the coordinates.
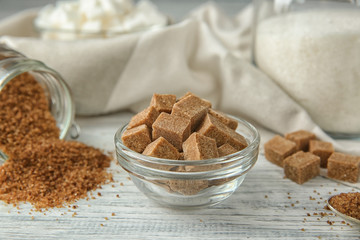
(266, 206)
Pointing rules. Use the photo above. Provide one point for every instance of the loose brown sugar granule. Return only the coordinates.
(52, 173)
(41, 169)
(24, 113)
(330, 222)
(347, 203)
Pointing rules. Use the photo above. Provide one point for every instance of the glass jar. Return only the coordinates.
(311, 49)
(13, 63)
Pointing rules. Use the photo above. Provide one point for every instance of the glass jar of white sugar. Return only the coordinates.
(311, 49)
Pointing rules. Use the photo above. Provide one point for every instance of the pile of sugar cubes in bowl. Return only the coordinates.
(182, 153)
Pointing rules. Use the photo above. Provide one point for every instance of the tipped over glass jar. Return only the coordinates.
(60, 102)
(311, 49)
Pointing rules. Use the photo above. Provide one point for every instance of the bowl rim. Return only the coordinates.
(253, 145)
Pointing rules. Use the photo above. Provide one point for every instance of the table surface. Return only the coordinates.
(266, 206)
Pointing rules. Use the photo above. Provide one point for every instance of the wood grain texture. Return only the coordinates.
(266, 206)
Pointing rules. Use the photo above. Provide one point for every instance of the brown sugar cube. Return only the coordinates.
(321, 149)
(302, 166)
(212, 127)
(187, 187)
(178, 168)
(199, 147)
(185, 95)
(221, 181)
(163, 102)
(226, 149)
(236, 140)
(137, 138)
(191, 94)
(193, 108)
(279, 148)
(147, 116)
(161, 148)
(173, 128)
(162, 183)
(301, 138)
(343, 167)
(223, 150)
(231, 123)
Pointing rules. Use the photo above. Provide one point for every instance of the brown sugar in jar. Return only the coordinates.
(36, 114)
(55, 91)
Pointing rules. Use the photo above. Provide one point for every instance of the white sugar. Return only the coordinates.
(315, 57)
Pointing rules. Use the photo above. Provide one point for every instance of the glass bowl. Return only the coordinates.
(209, 182)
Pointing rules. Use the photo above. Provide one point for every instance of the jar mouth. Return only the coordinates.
(61, 104)
(238, 162)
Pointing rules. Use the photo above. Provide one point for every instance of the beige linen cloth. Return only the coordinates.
(208, 54)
